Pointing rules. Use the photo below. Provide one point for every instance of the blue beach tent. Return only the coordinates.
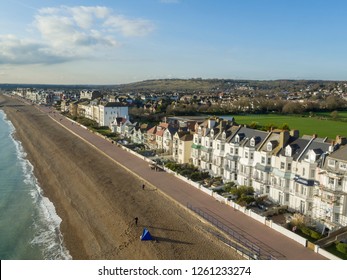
(146, 235)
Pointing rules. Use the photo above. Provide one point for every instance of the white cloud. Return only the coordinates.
(71, 33)
(16, 51)
(130, 27)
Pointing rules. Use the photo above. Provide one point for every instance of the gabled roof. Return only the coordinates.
(152, 130)
(160, 132)
(246, 134)
(316, 145)
(298, 147)
(340, 154)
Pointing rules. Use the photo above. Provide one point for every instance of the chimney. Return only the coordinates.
(332, 147)
(294, 133)
(341, 140)
(284, 137)
(314, 136)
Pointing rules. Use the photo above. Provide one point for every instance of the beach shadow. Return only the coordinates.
(167, 229)
(163, 239)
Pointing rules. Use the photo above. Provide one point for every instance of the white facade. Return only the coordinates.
(108, 114)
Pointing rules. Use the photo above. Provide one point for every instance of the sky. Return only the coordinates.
(122, 41)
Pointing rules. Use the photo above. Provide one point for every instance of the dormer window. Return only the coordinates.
(252, 143)
(289, 151)
(239, 137)
(331, 163)
(269, 147)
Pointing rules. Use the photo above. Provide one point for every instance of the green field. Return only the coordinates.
(322, 124)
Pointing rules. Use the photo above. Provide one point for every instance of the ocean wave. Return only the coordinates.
(46, 222)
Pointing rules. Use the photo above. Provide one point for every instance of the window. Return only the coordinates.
(339, 182)
(313, 172)
(252, 155)
(282, 165)
(331, 162)
(231, 150)
(289, 166)
(343, 165)
(262, 160)
(269, 146)
(236, 151)
(252, 142)
(331, 181)
(288, 151)
(246, 154)
(217, 146)
(269, 161)
(336, 217)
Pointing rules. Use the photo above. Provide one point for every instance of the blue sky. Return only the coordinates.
(112, 42)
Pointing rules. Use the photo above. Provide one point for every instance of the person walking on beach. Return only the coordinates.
(136, 220)
(143, 186)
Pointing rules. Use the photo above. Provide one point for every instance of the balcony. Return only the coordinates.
(337, 209)
(229, 168)
(332, 189)
(206, 159)
(304, 196)
(281, 188)
(259, 180)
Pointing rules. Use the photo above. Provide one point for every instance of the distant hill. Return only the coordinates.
(173, 85)
(210, 85)
(191, 85)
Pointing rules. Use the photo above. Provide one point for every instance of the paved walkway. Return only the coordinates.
(264, 237)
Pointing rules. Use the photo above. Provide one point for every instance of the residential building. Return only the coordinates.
(329, 207)
(182, 145)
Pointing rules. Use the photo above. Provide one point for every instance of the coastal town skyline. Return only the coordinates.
(113, 42)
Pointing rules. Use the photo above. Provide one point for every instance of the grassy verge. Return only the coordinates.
(322, 126)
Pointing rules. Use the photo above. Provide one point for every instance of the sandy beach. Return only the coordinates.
(98, 200)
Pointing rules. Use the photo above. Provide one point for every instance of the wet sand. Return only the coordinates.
(98, 200)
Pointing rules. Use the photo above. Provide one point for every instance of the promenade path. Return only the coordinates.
(270, 241)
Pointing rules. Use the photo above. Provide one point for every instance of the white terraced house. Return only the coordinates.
(308, 174)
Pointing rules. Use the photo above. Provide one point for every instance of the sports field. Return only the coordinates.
(322, 124)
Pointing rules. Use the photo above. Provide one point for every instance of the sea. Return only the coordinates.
(29, 225)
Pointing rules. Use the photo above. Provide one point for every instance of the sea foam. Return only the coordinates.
(45, 221)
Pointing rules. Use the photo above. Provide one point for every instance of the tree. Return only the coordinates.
(332, 102)
(254, 125)
(292, 108)
(285, 126)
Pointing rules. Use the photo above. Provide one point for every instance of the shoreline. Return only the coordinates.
(98, 200)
